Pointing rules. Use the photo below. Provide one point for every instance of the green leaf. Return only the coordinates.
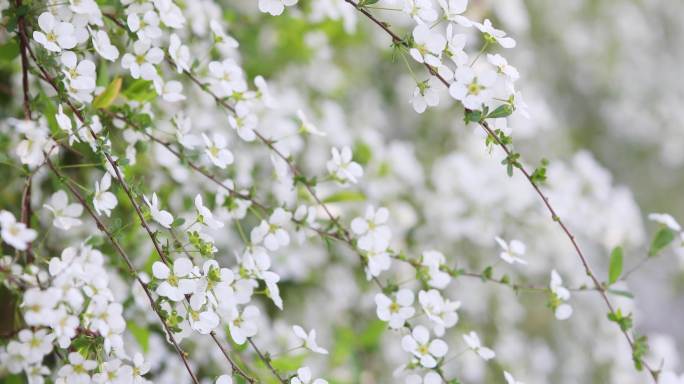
(345, 196)
(615, 265)
(106, 98)
(618, 292)
(140, 90)
(662, 239)
(362, 153)
(141, 334)
(370, 337)
(288, 363)
(501, 111)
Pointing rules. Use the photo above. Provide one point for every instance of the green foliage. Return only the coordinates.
(107, 97)
(639, 351)
(345, 196)
(539, 174)
(502, 110)
(141, 335)
(662, 239)
(362, 153)
(288, 363)
(624, 321)
(615, 265)
(511, 161)
(140, 90)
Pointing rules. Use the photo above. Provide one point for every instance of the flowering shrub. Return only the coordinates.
(181, 208)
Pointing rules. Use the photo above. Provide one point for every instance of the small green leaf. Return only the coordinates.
(344, 196)
(502, 110)
(615, 265)
(618, 292)
(288, 363)
(140, 90)
(106, 98)
(662, 239)
(141, 335)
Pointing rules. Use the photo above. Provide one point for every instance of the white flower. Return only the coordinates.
(271, 280)
(473, 341)
(455, 44)
(103, 45)
(434, 260)
(35, 344)
(204, 322)
(396, 310)
(177, 283)
(510, 379)
(104, 201)
(66, 215)
(275, 7)
(341, 166)
(561, 310)
(372, 229)
(272, 233)
(502, 67)
(307, 126)
(114, 372)
(244, 122)
(172, 91)
(428, 45)
(15, 233)
(140, 368)
(216, 150)
(54, 35)
(221, 39)
(170, 14)
(242, 325)
(179, 53)
(205, 215)
(438, 309)
(666, 220)
(453, 10)
(424, 96)
(421, 10)
(164, 218)
(142, 62)
(470, 88)
(308, 339)
(227, 77)
(378, 259)
(76, 371)
(31, 149)
(431, 377)
(147, 28)
(511, 253)
(495, 34)
(81, 74)
(419, 344)
(304, 377)
(224, 379)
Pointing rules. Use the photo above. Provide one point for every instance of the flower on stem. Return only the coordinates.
(427, 351)
(559, 294)
(473, 341)
(471, 88)
(304, 377)
(309, 339)
(15, 233)
(164, 218)
(342, 168)
(512, 252)
(216, 150)
(176, 283)
(65, 214)
(272, 232)
(428, 45)
(54, 35)
(453, 11)
(204, 214)
(494, 35)
(103, 200)
(395, 310)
